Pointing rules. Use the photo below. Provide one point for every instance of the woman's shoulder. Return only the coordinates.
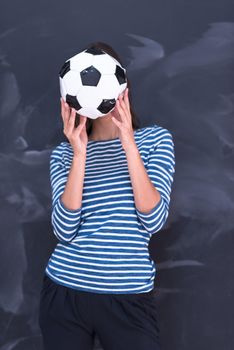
(60, 149)
(154, 132)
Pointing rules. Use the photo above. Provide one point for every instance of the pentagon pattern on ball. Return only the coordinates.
(95, 51)
(65, 68)
(72, 101)
(120, 75)
(106, 106)
(90, 76)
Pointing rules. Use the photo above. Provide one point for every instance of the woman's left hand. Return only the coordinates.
(126, 133)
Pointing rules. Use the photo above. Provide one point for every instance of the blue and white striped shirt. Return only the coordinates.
(103, 246)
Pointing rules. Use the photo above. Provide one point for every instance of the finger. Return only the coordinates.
(126, 107)
(117, 122)
(83, 118)
(122, 109)
(62, 107)
(126, 98)
(81, 125)
(119, 109)
(80, 128)
(71, 121)
(62, 103)
(66, 114)
(123, 104)
(82, 122)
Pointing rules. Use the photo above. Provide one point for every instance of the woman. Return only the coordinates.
(111, 185)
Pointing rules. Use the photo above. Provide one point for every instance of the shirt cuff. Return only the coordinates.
(65, 209)
(152, 211)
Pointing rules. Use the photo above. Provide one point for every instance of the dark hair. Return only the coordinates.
(108, 49)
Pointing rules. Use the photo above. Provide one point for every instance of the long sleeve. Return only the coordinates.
(65, 222)
(160, 169)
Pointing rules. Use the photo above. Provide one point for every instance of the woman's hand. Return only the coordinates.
(125, 123)
(77, 136)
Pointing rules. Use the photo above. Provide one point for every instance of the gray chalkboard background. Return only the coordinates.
(180, 60)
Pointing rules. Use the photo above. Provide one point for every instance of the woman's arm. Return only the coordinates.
(152, 186)
(67, 192)
(72, 195)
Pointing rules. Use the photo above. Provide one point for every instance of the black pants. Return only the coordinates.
(69, 319)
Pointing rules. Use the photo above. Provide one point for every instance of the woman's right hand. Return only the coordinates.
(77, 136)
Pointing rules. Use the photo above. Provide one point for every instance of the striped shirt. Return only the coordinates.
(103, 245)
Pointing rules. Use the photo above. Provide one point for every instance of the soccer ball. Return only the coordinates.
(91, 82)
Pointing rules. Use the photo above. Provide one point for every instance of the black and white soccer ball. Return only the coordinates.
(91, 81)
